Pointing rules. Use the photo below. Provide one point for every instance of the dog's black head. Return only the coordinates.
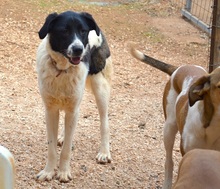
(68, 33)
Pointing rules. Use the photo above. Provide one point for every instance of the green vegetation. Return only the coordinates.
(154, 35)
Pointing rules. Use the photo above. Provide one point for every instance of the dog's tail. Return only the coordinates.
(164, 67)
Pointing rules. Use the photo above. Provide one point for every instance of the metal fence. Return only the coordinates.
(197, 11)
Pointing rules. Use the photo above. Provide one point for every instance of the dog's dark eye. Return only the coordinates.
(82, 32)
(65, 32)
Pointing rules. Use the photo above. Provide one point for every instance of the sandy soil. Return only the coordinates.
(136, 116)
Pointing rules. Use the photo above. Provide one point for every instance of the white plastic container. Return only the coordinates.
(7, 169)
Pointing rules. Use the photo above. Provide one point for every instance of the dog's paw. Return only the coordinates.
(60, 141)
(103, 158)
(45, 176)
(64, 176)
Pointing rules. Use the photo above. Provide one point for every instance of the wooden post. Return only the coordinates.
(215, 38)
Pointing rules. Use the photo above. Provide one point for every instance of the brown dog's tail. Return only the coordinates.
(164, 67)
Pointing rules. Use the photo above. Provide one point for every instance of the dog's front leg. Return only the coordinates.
(64, 174)
(52, 120)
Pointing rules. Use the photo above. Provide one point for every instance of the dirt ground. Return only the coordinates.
(136, 116)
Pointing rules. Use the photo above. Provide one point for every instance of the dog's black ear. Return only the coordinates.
(198, 89)
(45, 28)
(91, 22)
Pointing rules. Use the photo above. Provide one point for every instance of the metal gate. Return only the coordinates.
(197, 11)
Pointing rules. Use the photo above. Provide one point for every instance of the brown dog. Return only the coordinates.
(191, 104)
(199, 169)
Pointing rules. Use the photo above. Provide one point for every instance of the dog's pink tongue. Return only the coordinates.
(75, 60)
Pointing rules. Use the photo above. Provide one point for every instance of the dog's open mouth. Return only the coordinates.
(75, 60)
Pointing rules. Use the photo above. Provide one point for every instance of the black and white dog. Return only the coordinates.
(73, 54)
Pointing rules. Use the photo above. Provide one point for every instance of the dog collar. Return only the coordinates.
(55, 65)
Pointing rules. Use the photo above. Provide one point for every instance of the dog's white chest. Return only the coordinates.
(193, 132)
(68, 84)
(195, 135)
(56, 83)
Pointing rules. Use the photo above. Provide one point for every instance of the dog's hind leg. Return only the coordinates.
(170, 131)
(52, 120)
(101, 89)
(61, 137)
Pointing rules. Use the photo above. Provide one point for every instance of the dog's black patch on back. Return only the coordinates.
(98, 57)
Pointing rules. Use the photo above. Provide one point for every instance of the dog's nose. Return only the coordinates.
(77, 50)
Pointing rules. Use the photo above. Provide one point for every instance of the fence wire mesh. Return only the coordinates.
(198, 11)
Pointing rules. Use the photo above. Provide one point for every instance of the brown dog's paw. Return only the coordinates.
(60, 141)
